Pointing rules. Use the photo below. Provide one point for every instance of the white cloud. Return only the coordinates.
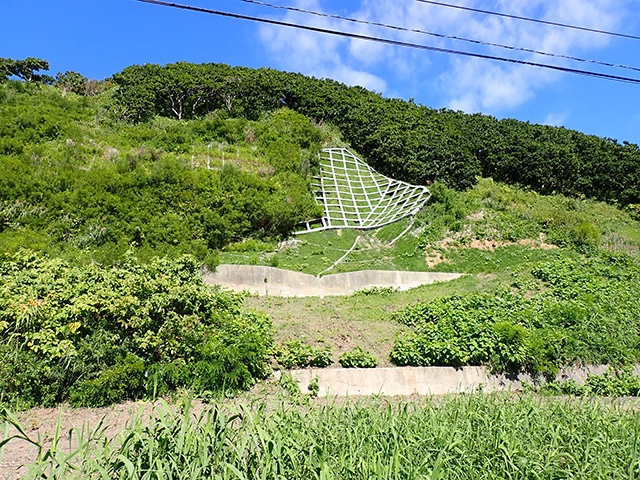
(489, 86)
(556, 119)
(469, 84)
(350, 76)
(318, 54)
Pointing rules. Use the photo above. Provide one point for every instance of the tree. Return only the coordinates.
(183, 88)
(7, 66)
(71, 81)
(24, 69)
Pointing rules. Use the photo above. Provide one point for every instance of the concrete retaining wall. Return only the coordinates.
(422, 380)
(263, 280)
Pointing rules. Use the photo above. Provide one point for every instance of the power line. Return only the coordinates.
(395, 42)
(440, 35)
(536, 20)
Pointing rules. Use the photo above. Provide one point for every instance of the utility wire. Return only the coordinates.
(440, 35)
(395, 42)
(536, 20)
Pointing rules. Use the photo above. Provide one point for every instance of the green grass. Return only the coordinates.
(488, 229)
(315, 252)
(510, 257)
(343, 322)
(464, 437)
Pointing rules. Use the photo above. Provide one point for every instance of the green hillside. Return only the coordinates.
(400, 139)
(78, 184)
(113, 196)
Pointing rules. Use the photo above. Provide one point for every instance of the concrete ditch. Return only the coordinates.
(423, 380)
(263, 280)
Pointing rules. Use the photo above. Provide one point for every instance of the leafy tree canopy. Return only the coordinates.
(399, 138)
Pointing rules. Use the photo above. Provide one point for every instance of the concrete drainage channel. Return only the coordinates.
(423, 380)
(263, 280)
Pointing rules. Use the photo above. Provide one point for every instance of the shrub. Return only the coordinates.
(586, 312)
(358, 358)
(314, 386)
(97, 335)
(363, 292)
(615, 382)
(289, 385)
(123, 381)
(298, 354)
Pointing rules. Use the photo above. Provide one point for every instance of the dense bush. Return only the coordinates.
(299, 354)
(614, 382)
(97, 335)
(584, 312)
(358, 358)
(77, 185)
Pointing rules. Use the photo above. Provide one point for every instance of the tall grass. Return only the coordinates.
(463, 437)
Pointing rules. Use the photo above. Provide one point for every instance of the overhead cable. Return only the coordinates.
(536, 20)
(440, 35)
(395, 42)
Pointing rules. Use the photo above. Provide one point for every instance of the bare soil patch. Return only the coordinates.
(434, 253)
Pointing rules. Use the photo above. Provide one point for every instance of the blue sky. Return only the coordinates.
(99, 38)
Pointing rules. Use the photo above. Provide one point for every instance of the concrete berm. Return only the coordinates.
(263, 280)
(424, 380)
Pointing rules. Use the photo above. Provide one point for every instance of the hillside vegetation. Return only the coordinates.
(555, 284)
(399, 138)
(111, 198)
(78, 184)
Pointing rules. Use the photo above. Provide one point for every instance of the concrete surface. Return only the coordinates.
(263, 280)
(422, 380)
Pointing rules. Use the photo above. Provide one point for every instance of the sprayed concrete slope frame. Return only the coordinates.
(354, 195)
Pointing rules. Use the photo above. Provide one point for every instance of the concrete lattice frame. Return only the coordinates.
(354, 195)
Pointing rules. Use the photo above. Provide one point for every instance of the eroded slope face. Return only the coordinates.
(353, 195)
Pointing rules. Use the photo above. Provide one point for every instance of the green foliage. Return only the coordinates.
(496, 212)
(585, 311)
(249, 245)
(88, 189)
(614, 382)
(29, 117)
(71, 81)
(556, 387)
(358, 358)
(289, 140)
(298, 354)
(289, 385)
(374, 291)
(24, 69)
(446, 211)
(124, 380)
(524, 438)
(314, 386)
(401, 139)
(98, 335)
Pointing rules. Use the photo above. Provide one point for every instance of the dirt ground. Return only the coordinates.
(40, 425)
